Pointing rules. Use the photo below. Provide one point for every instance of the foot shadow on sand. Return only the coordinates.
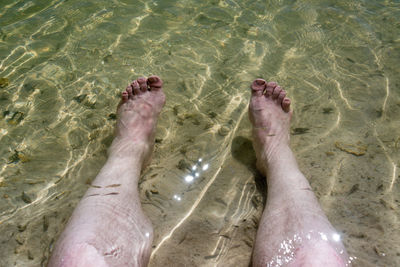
(242, 150)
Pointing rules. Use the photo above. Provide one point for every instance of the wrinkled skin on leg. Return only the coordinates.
(108, 227)
(293, 230)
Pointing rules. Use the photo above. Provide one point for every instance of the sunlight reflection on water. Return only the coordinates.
(63, 64)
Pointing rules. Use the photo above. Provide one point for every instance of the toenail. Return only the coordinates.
(260, 82)
(152, 79)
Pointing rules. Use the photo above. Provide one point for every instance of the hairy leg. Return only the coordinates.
(293, 230)
(108, 227)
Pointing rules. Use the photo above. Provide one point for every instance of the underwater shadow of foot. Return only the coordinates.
(242, 150)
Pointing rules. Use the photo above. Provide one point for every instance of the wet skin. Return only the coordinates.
(109, 228)
(292, 218)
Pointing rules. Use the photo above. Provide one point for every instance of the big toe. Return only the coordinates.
(258, 87)
(154, 82)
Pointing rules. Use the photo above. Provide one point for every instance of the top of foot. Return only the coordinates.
(140, 105)
(270, 114)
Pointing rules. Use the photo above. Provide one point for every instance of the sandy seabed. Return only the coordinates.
(63, 64)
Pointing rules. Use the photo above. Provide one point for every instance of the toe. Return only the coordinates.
(276, 92)
(258, 87)
(142, 84)
(270, 88)
(281, 96)
(135, 87)
(154, 82)
(286, 104)
(124, 98)
(129, 92)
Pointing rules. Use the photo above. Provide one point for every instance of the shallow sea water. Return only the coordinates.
(64, 64)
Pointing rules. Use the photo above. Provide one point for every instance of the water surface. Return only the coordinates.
(64, 64)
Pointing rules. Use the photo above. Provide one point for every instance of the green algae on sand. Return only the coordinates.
(4, 82)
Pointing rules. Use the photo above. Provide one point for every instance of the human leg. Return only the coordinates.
(293, 230)
(108, 227)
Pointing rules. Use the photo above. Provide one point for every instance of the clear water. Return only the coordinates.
(65, 62)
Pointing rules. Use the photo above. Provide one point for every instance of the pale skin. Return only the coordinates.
(109, 228)
(293, 230)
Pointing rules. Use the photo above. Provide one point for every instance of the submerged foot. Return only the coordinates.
(138, 111)
(270, 114)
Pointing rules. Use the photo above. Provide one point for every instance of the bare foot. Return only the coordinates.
(138, 111)
(113, 199)
(292, 208)
(270, 114)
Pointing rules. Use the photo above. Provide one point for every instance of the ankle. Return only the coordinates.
(275, 153)
(128, 151)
